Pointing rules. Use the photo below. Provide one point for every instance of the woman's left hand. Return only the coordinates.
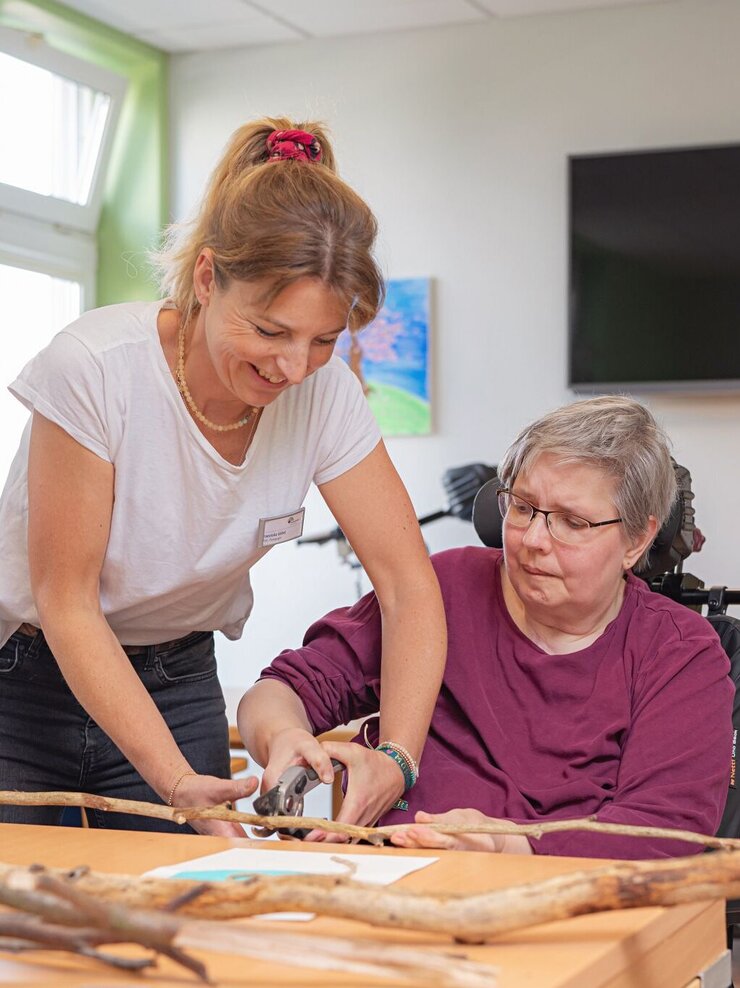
(374, 783)
(419, 835)
(209, 790)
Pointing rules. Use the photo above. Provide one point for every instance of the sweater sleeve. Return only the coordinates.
(336, 673)
(675, 765)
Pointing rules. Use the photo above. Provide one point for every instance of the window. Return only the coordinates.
(56, 136)
(35, 307)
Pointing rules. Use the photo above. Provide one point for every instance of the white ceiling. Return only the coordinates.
(194, 25)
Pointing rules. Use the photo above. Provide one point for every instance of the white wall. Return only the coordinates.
(458, 138)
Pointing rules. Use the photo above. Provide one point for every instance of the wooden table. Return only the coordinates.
(649, 948)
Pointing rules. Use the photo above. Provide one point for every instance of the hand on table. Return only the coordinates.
(419, 835)
(209, 790)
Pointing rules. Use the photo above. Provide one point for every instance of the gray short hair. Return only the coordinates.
(619, 436)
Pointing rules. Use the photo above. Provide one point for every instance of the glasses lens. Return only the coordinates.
(564, 527)
(514, 510)
(568, 528)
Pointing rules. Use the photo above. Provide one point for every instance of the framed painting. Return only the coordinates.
(391, 359)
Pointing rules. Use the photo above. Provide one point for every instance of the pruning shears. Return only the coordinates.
(286, 798)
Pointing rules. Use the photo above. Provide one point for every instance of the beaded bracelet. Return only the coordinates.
(173, 790)
(403, 759)
(406, 754)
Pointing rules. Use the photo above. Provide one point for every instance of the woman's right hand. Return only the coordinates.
(209, 790)
(294, 746)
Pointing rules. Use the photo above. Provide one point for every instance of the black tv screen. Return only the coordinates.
(655, 270)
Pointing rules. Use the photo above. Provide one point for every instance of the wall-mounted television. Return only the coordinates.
(655, 270)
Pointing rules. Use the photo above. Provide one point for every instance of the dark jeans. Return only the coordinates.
(48, 742)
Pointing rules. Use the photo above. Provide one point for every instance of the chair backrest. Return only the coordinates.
(728, 629)
(486, 517)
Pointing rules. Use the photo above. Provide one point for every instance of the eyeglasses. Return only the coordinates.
(562, 525)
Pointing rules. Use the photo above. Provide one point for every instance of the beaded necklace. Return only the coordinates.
(185, 392)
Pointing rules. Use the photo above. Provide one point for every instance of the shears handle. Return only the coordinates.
(310, 779)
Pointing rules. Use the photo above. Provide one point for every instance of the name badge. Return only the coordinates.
(281, 528)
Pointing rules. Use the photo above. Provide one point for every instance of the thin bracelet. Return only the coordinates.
(173, 790)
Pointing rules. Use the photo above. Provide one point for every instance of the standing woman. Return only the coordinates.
(171, 445)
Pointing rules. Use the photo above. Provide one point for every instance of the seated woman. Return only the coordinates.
(571, 689)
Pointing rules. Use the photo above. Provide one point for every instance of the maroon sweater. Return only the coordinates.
(635, 729)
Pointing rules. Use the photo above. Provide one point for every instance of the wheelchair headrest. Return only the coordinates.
(487, 520)
(672, 543)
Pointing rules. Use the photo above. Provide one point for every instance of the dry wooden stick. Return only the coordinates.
(23, 933)
(61, 903)
(424, 966)
(467, 918)
(374, 835)
(78, 922)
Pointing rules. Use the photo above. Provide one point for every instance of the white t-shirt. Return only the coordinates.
(184, 531)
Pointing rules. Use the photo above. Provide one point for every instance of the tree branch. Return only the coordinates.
(467, 918)
(88, 922)
(374, 835)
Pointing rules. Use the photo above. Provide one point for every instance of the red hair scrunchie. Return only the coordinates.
(296, 144)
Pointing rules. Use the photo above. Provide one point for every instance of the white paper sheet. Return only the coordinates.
(236, 863)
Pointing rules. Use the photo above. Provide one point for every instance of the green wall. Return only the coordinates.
(136, 203)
